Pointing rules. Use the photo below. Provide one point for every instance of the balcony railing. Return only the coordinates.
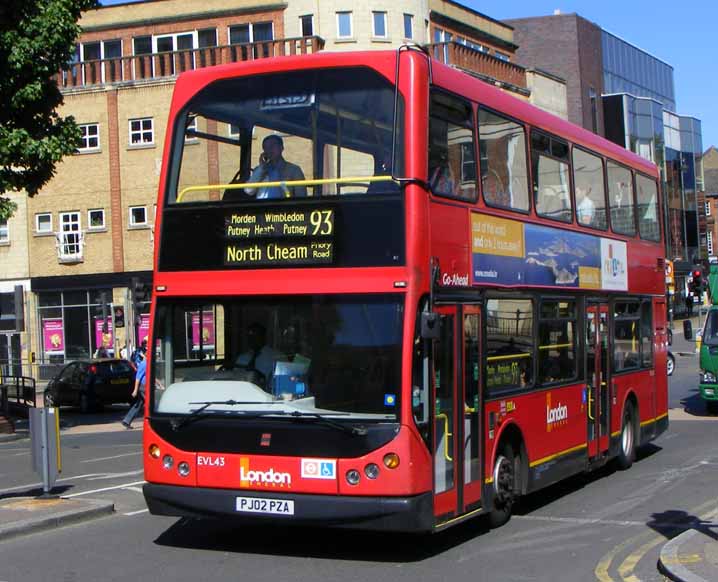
(169, 64)
(70, 246)
(483, 64)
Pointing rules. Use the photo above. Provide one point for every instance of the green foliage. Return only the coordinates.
(37, 40)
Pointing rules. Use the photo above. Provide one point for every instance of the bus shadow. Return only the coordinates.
(306, 542)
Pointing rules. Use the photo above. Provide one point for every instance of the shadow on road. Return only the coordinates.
(672, 522)
(695, 405)
(305, 542)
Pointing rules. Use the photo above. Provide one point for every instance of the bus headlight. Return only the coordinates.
(183, 469)
(154, 451)
(709, 377)
(371, 470)
(167, 461)
(353, 477)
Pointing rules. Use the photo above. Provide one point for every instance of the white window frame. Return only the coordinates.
(194, 127)
(90, 226)
(350, 14)
(374, 15)
(84, 140)
(251, 25)
(141, 131)
(502, 56)
(4, 232)
(410, 19)
(69, 237)
(709, 242)
(708, 207)
(131, 220)
(301, 25)
(38, 230)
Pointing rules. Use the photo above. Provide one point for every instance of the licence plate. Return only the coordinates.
(262, 505)
(119, 381)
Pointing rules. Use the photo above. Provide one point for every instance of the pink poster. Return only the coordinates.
(53, 335)
(207, 330)
(105, 340)
(143, 332)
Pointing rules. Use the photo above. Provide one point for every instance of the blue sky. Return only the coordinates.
(674, 32)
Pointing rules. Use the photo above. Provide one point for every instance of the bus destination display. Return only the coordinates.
(289, 237)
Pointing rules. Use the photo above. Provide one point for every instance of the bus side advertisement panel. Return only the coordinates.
(510, 252)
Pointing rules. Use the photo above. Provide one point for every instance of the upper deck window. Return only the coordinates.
(452, 158)
(331, 124)
(551, 169)
(647, 196)
(504, 172)
(590, 191)
(620, 193)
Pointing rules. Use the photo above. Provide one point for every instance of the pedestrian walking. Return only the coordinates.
(138, 394)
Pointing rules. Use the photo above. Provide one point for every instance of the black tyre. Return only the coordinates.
(712, 406)
(670, 364)
(505, 476)
(627, 450)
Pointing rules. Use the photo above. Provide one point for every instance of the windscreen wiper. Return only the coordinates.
(179, 423)
(354, 430)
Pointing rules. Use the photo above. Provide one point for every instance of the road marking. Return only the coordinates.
(580, 520)
(137, 512)
(113, 457)
(102, 476)
(136, 489)
(81, 493)
(31, 485)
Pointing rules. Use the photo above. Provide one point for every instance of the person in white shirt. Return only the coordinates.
(585, 207)
(260, 357)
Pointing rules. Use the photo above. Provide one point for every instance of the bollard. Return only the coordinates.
(45, 439)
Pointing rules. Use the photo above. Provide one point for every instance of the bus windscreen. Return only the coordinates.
(336, 356)
(320, 132)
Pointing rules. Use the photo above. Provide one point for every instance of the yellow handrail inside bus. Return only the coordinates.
(447, 434)
(555, 346)
(509, 357)
(282, 184)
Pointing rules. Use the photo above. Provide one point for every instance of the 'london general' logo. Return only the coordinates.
(270, 478)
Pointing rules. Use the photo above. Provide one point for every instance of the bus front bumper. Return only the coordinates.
(708, 391)
(400, 514)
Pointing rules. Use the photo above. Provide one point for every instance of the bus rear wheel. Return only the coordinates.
(627, 451)
(504, 476)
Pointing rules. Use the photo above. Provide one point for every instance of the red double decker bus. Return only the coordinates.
(390, 296)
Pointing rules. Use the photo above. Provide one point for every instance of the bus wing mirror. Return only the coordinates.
(687, 329)
(429, 325)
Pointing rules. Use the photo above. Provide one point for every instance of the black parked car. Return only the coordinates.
(90, 384)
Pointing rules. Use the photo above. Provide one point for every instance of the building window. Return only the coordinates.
(43, 223)
(142, 45)
(344, 25)
(69, 241)
(96, 219)
(4, 231)
(190, 132)
(379, 24)
(306, 25)
(708, 207)
(142, 131)
(709, 242)
(89, 137)
(408, 26)
(138, 216)
(501, 56)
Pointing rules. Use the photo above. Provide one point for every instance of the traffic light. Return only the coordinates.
(697, 282)
(140, 294)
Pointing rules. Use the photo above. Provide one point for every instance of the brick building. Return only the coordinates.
(80, 242)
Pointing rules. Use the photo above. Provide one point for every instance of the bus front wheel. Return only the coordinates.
(627, 450)
(504, 479)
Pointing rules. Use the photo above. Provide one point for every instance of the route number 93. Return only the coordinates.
(322, 222)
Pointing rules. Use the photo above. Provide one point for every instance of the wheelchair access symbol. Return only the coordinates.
(319, 469)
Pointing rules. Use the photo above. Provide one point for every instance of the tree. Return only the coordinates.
(37, 40)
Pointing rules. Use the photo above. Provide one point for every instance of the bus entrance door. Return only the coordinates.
(597, 393)
(456, 413)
